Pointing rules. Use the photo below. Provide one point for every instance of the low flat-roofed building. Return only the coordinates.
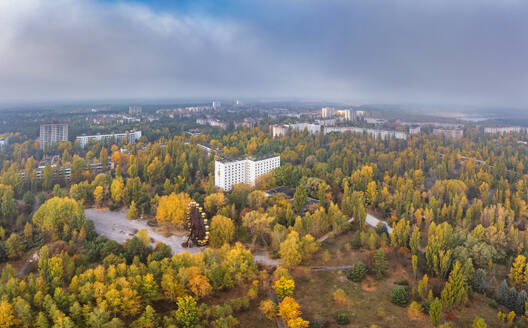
(128, 137)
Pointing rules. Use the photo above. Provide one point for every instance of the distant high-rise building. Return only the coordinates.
(52, 133)
(3, 142)
(134, 110)
(216, 105)
(230, 172)
(347, 114)
(327, 112)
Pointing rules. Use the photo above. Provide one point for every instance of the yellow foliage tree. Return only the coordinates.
(171, 209)
(518, 271)
(199, 286)
(7, 319)
(98, 195)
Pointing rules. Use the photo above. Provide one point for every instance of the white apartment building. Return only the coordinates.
(450, 133)
(279, 130)
(374, 133)
(327, 112)
(504, 130)
(347, 114)
(114, 137)
(216, 105)
(415, 130)
(3, 142)
(312, 128)
(230, 172)
(52, 133)
(134, 110)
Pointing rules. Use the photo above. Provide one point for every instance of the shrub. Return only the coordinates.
(340, 297)
(426, 305)
(399, 296)
(343, 319)
(403, 282)
(415, 310)
(358, 272)
(493, 304)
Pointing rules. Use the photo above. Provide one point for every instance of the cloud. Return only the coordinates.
(470, 52)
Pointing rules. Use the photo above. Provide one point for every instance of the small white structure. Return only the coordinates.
(247, 170)
(114, 137)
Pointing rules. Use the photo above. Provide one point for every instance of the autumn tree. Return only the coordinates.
(214, 202)
(187, 315)
(258, 224)
(400, 234)
(380, 264)
(284, 287)
(435, 311)
(98, 195)
(132, 211)
(14, 246)
(455, 290)
(7, 318)
(57, 213)
(117, 189)
(172, 208)
(149, 319)
(222, 230)
(289, 250)
(299, 198)
(290, 312)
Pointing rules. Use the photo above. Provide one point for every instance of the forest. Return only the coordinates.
(458, 210)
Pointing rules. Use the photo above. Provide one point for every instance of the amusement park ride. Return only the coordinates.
(198, 226)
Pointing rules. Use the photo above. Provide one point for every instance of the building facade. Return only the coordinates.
(230, 172)
(374, 133)
(450, 133)
(327, 112)
(52, 133)
(279, 130)
(134, 110)
(346, 114)
(504, 130)
(113, 138)
(3, 142)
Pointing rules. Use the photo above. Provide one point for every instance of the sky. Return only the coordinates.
(471, 52)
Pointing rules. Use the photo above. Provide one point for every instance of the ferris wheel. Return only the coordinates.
(198, 226)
